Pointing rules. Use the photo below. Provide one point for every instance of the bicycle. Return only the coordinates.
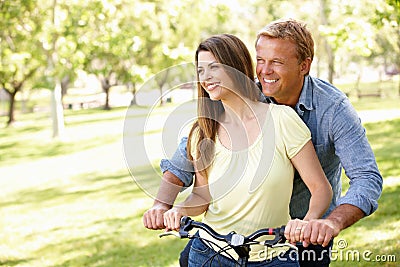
(239, 243)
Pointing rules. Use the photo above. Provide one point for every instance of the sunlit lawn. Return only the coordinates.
(74, 203)
(377, 237)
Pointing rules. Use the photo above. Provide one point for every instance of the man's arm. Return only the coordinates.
(170, 186)
(344, 216)
(177, 172)
(358, 160)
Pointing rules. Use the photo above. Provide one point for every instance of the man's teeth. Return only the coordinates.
(270, 81)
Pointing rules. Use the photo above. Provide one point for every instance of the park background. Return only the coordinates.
(73, 73)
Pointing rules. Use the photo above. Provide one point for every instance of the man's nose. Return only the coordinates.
(266, 68)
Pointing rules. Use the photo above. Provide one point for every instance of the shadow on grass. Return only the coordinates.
(115, 239)
(104, 116)
(33, 150)
(92, 119)
(117, 186)
(14, 262)
(118, 242)
(116, 248)
(121, 187)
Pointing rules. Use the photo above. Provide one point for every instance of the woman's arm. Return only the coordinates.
(195, 204)
(307, 164)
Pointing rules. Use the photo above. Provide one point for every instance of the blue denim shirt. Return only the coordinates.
(340, 142)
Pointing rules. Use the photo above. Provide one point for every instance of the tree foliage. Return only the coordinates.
(127, 42)
(20, 58)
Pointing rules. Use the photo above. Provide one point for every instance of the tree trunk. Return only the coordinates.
(16, 88)
(331, 55)
(161, 81)
(107, 104)
(57, 112)
(106, 85)
(331, 63)
(64, 85)
(11, 108)
(133, 86)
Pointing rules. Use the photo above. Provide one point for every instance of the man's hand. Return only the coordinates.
(320, 232)
(166, 195)
(154, 217)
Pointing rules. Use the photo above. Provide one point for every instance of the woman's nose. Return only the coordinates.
(207, 75)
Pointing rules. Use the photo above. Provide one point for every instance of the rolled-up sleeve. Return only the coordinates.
(357, 159)
(179, 164)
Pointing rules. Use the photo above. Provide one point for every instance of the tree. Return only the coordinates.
(20, 23)
(387, 20)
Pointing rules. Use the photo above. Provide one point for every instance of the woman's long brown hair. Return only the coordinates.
(232, 53)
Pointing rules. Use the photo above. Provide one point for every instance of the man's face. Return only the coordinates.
(278, 69)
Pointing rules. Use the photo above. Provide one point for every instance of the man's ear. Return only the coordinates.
(305, 66)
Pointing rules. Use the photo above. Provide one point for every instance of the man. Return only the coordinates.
(285, 50)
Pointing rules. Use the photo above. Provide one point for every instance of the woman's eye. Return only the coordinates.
(214, 66)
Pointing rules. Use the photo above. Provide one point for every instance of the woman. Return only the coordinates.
(244, 152)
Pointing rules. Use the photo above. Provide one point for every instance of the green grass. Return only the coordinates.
(74, 203)
(376, 103)
(378, 233)
(390, 94)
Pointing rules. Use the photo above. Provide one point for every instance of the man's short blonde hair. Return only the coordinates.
(295, 31)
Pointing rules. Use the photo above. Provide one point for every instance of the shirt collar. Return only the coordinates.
(306, 97)
(305, 100)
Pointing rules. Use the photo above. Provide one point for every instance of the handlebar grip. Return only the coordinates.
(185, 227)
(185, 220)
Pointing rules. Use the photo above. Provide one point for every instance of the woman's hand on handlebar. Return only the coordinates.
(294, 230)
(316, 232)
(172, 219)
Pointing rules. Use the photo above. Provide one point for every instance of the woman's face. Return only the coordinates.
(213, 76)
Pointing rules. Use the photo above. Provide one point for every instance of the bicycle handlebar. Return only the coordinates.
(232, 238)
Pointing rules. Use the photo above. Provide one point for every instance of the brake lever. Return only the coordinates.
(173, 233)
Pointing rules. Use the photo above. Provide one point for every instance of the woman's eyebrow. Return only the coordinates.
(209, 64)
